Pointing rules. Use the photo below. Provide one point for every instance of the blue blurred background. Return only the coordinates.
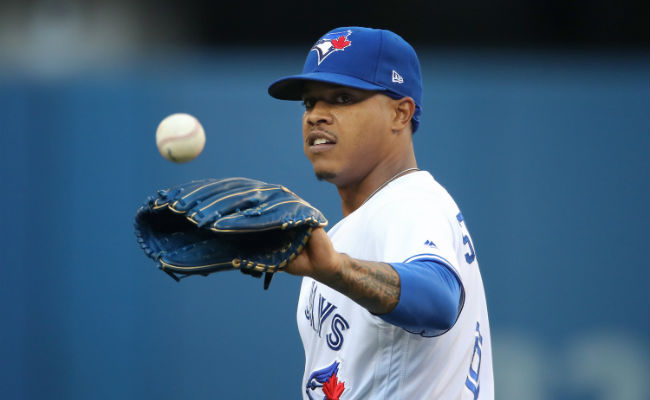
(544, 143)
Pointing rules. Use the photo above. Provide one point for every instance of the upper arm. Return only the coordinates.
(431, 298)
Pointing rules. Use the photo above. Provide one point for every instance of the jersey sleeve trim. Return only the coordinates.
(436, 258)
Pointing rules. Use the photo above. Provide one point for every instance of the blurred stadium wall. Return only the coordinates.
(535, 118)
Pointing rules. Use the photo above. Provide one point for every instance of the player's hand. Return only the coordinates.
(318, 260)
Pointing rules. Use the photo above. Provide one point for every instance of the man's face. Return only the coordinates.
(346, 132)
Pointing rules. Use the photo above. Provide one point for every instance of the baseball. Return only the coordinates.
(180, 138)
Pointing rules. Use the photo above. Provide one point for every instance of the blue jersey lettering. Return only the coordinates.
(472, 382)
(335, 338)
(324, 310)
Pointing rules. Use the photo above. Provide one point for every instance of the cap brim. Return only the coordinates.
(291, 87)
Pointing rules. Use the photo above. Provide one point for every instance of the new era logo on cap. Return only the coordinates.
(397, 78)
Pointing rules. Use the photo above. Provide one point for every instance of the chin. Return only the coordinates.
(323, 171)
(325, 176)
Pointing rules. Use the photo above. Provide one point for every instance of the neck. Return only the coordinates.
(353, 195)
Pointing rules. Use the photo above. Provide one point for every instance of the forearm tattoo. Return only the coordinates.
(373, 285)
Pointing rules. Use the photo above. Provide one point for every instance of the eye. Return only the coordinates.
(308, 103)
(343, 98)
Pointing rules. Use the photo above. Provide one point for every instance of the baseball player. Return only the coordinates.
(392, 304)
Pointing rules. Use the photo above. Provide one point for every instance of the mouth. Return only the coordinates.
(318, 141)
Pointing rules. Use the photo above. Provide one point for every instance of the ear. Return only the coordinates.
(404, 110)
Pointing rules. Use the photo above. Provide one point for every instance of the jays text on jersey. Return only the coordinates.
(352, 354)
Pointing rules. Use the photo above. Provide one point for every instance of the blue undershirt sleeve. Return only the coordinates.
(431, 298)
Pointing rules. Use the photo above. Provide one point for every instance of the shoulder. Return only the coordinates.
(413, 197)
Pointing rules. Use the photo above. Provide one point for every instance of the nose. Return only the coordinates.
(318, 114)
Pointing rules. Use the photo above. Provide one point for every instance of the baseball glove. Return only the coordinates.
(212, 225)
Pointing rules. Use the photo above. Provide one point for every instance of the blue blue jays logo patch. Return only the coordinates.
(330, 43)
(327, 380)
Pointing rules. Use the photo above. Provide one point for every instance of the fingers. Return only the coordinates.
(318, 257)
(300, 265)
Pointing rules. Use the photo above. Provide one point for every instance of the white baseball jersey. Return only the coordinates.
(352, 354)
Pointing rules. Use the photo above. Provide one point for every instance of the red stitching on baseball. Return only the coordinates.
(189, 134)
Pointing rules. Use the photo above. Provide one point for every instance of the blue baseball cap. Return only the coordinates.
(361, 58)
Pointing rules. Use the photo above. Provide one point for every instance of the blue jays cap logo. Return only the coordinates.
(330, 43)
